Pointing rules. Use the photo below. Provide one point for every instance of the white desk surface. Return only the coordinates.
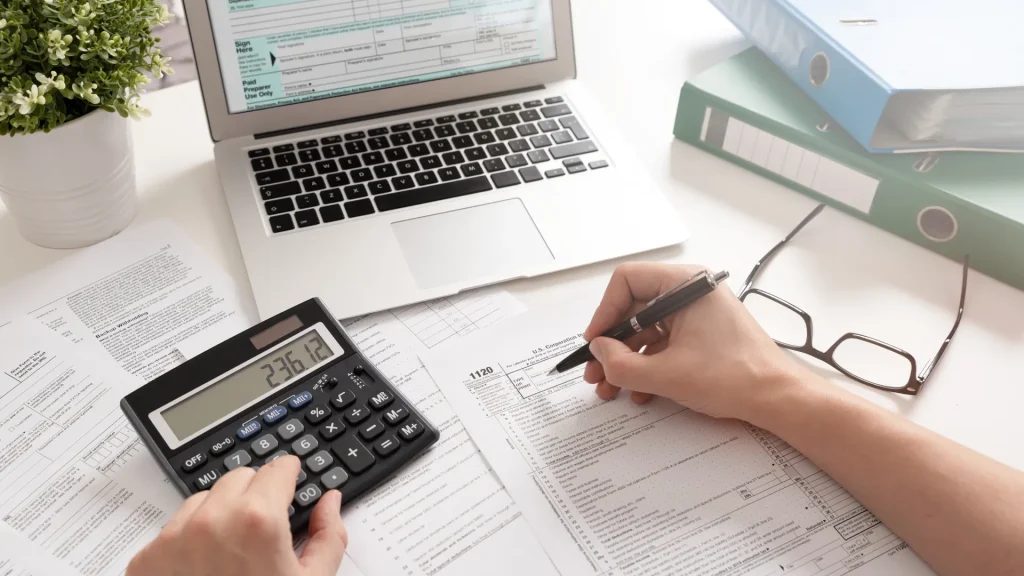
(848, 275)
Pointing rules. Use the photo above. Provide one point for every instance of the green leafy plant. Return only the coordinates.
(61, 59)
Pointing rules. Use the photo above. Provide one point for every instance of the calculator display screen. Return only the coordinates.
(252, 382)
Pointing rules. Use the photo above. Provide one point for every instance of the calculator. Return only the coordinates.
(294, 384)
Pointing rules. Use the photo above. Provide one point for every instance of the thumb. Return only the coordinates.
(327, 537)
(623, 367)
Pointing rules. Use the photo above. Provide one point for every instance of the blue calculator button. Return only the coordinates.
(276, 414)
(300, 400)
(249, 430)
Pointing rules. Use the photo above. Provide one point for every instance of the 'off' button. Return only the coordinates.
(193, 462)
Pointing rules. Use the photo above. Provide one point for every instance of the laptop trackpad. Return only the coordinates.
(497, 239)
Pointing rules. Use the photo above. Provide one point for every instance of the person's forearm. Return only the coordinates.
(962, 512)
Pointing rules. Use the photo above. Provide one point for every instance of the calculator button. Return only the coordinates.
(300, 400)
(304, 445)
(332, 429)
(371, 430)
(276, 414)
(207, 479)
(307, 495)
(387, 446)
(264, 445)
(223, 446)
(319, 462)
(248, 430)
(290, 430)
(396, 414)
(237, 460)
(291, 511)
(352, 452)
(193, 462)
(317, 414)
(381, 399)
(301, 477)
(410, 430)
(342, 399)
(357, 414)
(334, 478)
(275, 456)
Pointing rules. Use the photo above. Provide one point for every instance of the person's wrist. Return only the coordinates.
(778, 390)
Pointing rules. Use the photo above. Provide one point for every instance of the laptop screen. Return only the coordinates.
(280, 52)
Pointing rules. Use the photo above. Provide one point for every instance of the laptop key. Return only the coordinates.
(333, 151)
(488, 123)
(547, 125)
(494, 165)
(361, 175)
(498, 149)
(448, 174)
(282, 223)
(426, 178)
(260, 164)
(430, 163)
(576, 168)
(385, 171)
(462, 142)
(380, 187)
(357, 208)
(280, 148)
(538, 156)
(445, 131)
(403, 182)
(446, 119)
(355, 147)
(556, 110)
(571, 123)
(516, 161)
(511, 107)
(439, 146)
(526, 130)
(378, 143)
(377, 132)
(471, 169)
(476, 154)
(331, 213)
(309, 155)
(417, 150)
(401, 127)
(314, 184)
(408, 166)
(598, 164)
(519, 145)
(423, 123)
(286, 159)
(303, 171)
(490, 111)
(306, 218)
(505, 179)
(530, 115)
(574, 149)
(355, 135)
(509, 119)
(423, 135)
(350, 163)
(306, 201)
(466, 127)
(259, 152)
(540, 141)
(356, 191)
(372, 158)
(442, 191)
(280, 190)
(330, 140)
(326, 167)
(395, 154)
(279, 206)
(529, 174)
(555, 173)
(468, 115)
(505, 133)
(554, 100)
(332, 196)
(335, 180)
(453, 158)
(533, 104)
(562, 137)
(400, 139)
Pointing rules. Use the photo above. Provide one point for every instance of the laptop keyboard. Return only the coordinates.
(353, 175)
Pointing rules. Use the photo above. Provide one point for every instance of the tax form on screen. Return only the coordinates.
(613, 488)
(278, 52)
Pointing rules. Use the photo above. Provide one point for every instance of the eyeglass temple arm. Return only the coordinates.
(956, 324)
(771, 253)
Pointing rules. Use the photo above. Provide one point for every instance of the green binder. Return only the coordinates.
(955, 203)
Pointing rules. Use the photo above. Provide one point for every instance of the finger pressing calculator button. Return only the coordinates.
(342, 399)
(396, 414)
(237, 460)
(264, 445)
(381, 399)
(205, 481)
(357, 414)
(301, 478)
(223, 446)
(371, 430)
(332, 429)
(300, 400)
(304, 445)
(317, 414)
(353, 454)
(319, 462)
(334, 478)
(193, 462)
(291, 511)
(248, 430)
(290, 430)
(387, 446)
(307, 495)
(275, 414)
(273, 457)
(411, 429)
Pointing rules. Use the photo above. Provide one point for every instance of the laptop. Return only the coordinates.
(377, 153)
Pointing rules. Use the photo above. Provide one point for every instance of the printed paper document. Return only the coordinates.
(613, 488)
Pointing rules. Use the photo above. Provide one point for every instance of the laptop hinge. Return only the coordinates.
(317, 126)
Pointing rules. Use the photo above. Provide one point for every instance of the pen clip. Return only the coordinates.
(680, 286)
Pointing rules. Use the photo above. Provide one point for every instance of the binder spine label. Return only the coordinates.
(809, 169)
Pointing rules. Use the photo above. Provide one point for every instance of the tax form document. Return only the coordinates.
(613, 488)
(445, 514)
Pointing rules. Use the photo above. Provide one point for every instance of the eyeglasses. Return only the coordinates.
(867, 360)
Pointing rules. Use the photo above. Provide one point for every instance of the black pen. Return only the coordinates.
(677, 298)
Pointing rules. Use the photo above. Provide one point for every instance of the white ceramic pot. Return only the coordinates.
(74, 186)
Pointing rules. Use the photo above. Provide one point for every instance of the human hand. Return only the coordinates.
(713, 356)
(240, 527)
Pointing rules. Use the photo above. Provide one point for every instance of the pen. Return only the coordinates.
(675, 299)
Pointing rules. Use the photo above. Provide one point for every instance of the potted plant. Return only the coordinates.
(70, 75)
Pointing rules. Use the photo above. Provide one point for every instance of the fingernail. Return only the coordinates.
(595, 349)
